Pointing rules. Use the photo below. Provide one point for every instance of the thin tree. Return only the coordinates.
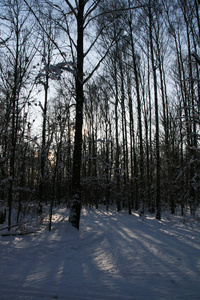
(158, 161)
(19, 58)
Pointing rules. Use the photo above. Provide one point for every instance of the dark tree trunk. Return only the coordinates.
(14, 126)
(75, 207)
(43, 150)
(158, 199)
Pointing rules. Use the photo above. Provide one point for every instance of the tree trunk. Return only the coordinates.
(75, 205)
(158, 200)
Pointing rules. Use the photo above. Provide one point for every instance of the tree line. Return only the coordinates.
(99, 103)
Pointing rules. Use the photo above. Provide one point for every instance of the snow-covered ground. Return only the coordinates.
(113, 256)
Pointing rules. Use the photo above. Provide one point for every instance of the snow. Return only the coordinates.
(113, 256)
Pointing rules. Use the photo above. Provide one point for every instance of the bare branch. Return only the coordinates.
(197, 57)
(91, 8)
(99, 63)
(49, 37)
(113, 11)
(95, 40)
(2, 41)
(72, 8)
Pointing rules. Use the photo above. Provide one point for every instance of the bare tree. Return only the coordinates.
(19, 59)
(153, 62)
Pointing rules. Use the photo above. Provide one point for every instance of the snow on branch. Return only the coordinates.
(55, 71)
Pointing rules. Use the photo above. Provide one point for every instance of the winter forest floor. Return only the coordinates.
(113, 256)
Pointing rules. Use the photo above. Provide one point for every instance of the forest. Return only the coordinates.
(99, 104)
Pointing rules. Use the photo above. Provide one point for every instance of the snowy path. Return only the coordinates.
(114, 256)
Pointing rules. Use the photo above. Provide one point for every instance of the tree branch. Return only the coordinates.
(98, 64)
(113, 11)
(197, 57)
(71, 7)
(91, 9)
(49, 37)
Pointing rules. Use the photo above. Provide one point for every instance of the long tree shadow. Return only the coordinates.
(132, 258)
(112, 257)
